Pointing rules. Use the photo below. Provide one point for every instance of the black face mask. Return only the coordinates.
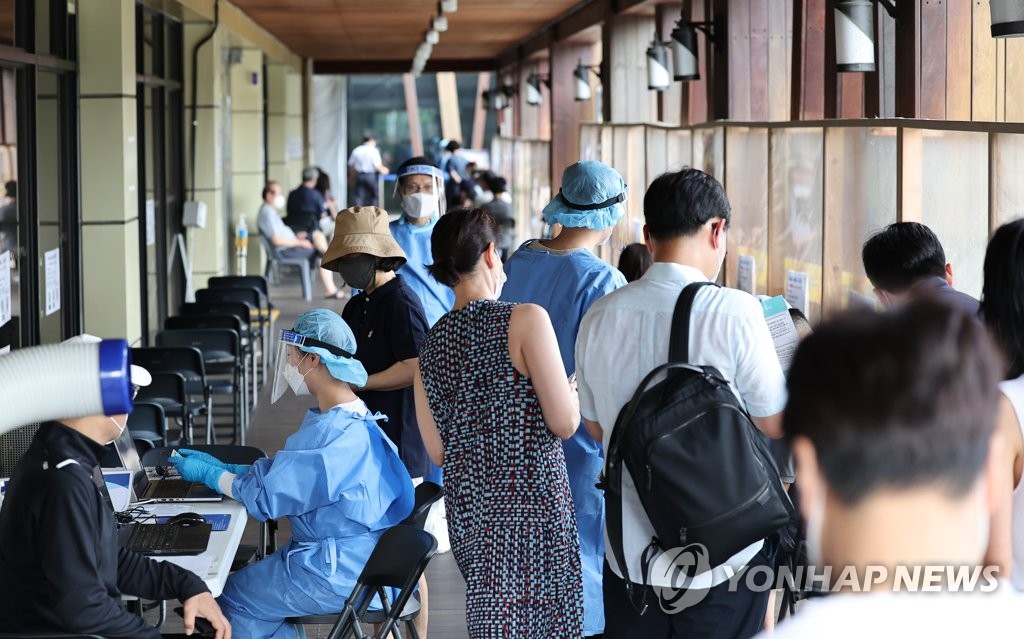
(358, 271)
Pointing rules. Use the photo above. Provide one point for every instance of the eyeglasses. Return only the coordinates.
(410, 188)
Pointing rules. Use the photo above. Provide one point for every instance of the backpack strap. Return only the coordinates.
(679, 341)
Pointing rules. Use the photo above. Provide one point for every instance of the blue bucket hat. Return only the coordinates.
(326, 326)
(591, 197)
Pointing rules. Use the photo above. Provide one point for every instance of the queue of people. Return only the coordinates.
(508, 380)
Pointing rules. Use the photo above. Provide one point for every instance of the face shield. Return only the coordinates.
(421, 190)
(293, 348)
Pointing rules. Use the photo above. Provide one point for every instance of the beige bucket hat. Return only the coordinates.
(362, 229)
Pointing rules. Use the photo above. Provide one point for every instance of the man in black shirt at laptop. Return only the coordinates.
(61, 568)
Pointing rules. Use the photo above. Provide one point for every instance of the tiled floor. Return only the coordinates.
(271, 425)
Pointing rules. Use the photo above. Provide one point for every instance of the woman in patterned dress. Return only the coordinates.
(492, 401)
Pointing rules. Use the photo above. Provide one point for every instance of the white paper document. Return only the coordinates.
(782, 328)
(746, 273)
(52, 261)
(5, 287)
(797, 290)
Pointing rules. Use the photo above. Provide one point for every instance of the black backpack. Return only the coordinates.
(701, 468)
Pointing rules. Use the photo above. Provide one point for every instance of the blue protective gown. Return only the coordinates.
(566, 283)
(340, 482)
(437, 298)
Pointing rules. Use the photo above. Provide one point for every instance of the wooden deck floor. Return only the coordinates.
(272, 424)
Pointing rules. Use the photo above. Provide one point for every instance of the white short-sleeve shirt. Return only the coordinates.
(365, 159)
(625, 335)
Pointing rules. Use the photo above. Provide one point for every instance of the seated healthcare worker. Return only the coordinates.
(339, 481)
(421, 188)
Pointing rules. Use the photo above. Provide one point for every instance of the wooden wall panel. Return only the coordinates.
(933, 59)
(566, 112)
(808, 90)
(1014, 83)
(759, 62)
(958, 60)
(983, 63)
(697, 93)
(739, 60)
(780, 48)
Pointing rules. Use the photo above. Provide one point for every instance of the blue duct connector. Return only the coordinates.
(115, 382)
(64, 381)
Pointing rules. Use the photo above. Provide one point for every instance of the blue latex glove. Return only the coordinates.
(237, 469)
(196, 470)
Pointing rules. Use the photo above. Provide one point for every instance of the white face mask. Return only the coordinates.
(120, 428)
(419, 205)
(499, 281)
(295, 379)
(279, 202)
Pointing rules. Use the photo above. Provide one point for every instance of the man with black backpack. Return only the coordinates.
(668, 565)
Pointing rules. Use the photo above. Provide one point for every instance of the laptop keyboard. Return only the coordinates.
(169, 489)
(151, 538)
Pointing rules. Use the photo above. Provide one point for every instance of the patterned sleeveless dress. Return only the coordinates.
(506, 491)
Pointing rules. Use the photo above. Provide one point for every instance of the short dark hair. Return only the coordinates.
(679, 203)
(901, 255)
(269, 188)
(458, 240)
(896, 400)
(453, 146)
(634, 261)
(1002, 302)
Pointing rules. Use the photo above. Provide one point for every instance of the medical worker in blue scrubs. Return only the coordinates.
(421, 189)
(565, 277)
(339, 481)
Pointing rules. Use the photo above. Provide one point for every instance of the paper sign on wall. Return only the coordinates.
(746, 273)
(150, 222)
(52, 262)
(797, 290)
(5, 287)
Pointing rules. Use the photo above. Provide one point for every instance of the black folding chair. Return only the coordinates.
(147, 421)
(259, 283)
(189, 362)
(244, 312)
(427, 493)
(170, 392)
(222, 356)
(398, 561)
(260, 319)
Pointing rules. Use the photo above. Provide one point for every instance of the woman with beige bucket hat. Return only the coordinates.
(388, 321)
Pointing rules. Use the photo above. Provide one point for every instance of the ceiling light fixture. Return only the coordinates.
(534, 96)
(583, 91)
(659, 77)
(855, 34)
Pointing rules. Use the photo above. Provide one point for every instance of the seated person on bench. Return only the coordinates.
(339, 481)
(61, 569)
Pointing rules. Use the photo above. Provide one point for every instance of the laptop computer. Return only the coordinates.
(165, 539)
(149, 486)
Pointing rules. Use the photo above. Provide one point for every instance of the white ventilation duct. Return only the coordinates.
(855, 43)
(64, 381)
(1007, 18)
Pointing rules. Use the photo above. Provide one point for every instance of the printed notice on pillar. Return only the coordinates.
(796, 290)
(746, 273)
(52, 260)
(5, 287)
(150, 222)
